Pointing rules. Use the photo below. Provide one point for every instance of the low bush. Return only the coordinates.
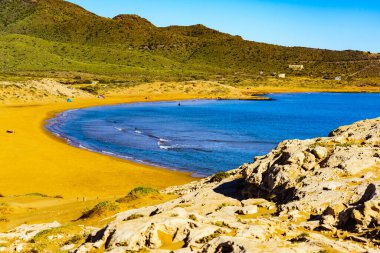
(301, 238)
(134, 216)
(75, 239)
(5, 208)
(101, 209)
(218, 177)
(4, 219)
(37, 194)
(137, 193)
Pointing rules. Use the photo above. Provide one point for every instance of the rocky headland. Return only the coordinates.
(316, 195)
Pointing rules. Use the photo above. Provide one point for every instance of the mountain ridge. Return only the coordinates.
(195, 48)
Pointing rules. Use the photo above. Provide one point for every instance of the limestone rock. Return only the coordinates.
(323, 186)
(26, 232)
(252, 209)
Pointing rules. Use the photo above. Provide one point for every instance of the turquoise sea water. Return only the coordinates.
(206, 136)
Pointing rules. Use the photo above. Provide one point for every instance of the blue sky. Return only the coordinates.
(321, 24)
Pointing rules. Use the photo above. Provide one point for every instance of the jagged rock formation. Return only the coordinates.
(335, 176)
(318, 195)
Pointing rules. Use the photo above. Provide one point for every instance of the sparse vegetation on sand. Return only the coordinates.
(134, 216)
(101, 209)
(138, 192)
(53, 239)
(5, 208)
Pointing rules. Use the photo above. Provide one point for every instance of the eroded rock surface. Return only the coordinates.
(316, 195)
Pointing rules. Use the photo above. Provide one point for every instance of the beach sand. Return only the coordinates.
(35, 161)
(32, 160)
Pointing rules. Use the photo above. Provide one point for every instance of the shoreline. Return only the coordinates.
(35, 161)
(194, 174)
(15, 179)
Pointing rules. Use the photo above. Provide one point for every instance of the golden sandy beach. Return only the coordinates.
(35, 161)
(32, 160)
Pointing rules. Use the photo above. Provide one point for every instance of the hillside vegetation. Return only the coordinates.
(57, 38)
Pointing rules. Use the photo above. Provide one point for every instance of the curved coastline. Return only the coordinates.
(67, 140)
(53, 126)
(35, 160)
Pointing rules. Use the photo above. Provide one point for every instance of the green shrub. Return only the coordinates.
(100, 209)
(208, 238)
(300, 238)
(301, 178)
(4, 219)
(134, 216)
(37, 194)
(90, 89)
(75, 239)
(5, 208)
(218, 177)
(137, 193)
(42, 234)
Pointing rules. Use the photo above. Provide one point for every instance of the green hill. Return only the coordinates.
(54, 36)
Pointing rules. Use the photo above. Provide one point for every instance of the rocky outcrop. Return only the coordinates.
(317, 195)
(16, 239)
(336, 177)
(304, 196)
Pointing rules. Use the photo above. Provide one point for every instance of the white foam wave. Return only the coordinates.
(108, 153)
(85, 148)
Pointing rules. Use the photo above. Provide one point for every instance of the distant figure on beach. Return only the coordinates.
(179, 104)
(69, 100)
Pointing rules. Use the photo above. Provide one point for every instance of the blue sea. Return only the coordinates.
(207, 136)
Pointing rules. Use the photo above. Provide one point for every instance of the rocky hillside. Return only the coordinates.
(317, 195)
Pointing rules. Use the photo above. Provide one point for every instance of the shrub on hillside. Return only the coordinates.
(101, 209)
(218, 177)
(137, 193)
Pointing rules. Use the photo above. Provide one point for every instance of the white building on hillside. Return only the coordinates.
(296, 67)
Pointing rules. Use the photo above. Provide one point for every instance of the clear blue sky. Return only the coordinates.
(334, 24)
